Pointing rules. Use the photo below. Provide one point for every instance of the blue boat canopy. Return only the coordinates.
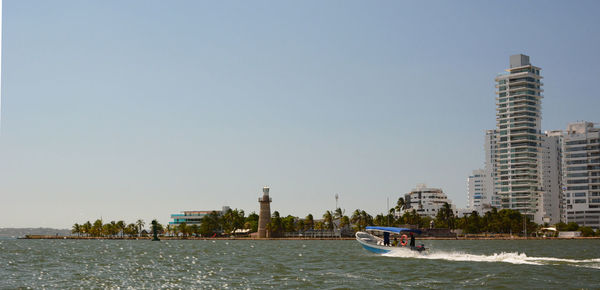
(392, 230)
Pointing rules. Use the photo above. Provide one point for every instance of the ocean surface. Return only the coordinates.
(296, 264)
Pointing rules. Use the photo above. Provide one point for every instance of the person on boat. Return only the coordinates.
(395, 242)
(412, 240)
(386, 239)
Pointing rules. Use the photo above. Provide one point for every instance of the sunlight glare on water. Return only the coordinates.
(297, 264)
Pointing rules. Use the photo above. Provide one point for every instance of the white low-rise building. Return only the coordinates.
(427, 201)
(476, 186)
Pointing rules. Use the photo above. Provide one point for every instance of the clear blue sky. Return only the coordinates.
(140, 109)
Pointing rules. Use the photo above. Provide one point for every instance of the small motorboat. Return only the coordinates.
(383, 245)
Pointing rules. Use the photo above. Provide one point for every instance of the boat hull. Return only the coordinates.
(370, 243)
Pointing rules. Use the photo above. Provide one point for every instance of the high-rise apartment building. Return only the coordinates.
(581, 174)
(476, 190)
(551, 176)
(489, 178)
(518, 122)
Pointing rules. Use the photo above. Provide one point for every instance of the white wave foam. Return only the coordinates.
(513, 258)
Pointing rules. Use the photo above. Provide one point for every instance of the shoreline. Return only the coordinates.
(50, 237)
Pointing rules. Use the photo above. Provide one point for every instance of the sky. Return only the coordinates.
(124, 110)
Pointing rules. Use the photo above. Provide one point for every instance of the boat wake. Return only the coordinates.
(512, 258)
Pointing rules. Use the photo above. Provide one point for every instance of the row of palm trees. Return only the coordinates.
(110, 229)
(227, 224)
(230, 222)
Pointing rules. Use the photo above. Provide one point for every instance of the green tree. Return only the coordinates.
(445, 217)
(328, 220)
(233, 220)
(572, 226)
(338, 213)
(252, 222)
(96, 229)
(276, 224)
(344, 222)
(131, 230)
(289, 223)
(170, 229)
(107, 230)
(76, 229)
(183, 229)
(587, 231)
(300, 225)
(561, 227)
(87, 228)
(140, 224)
(356, 219)
(211, 224)
(380, 220)
(361, 219)
(319, 225)
(309, 222)
(411, 217)
(194, 230)
(121, 227)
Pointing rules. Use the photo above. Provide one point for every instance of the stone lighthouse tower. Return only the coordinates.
(264, 218)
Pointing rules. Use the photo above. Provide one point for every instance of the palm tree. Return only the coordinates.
(356, 218)
(344, 221)
(76, 229)
(140, 225)
(319, 225)
(121, 227)
(380, 220)
(309, 222)
(367, 219)
(328, 220)
(107, 229)
(96, 229)
(233, 220)
(114, 229)
(183, 229)
(400, 205)
(338, 213)
(86, 228)
(194, 230)
(131, 230)
(445, 216)
(300, 225)
(210, 224)
(276, 224)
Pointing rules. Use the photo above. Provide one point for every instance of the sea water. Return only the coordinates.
(296, 264)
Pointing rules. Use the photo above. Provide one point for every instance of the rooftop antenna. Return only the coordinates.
(388, 210)
(337, 196)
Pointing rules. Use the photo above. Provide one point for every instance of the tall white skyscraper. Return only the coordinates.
(551, 176)
(518, 122)
(489, 179)
(581, 174)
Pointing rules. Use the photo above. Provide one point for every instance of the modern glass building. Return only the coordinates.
(518, 122)
(194, 217)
